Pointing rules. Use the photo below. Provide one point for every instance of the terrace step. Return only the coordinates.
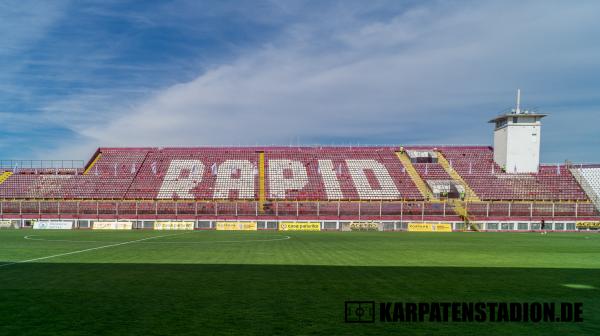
(261, 182)
(92, 164)
(461, 211)
(470, 195)
(5, 176)
(414, 175)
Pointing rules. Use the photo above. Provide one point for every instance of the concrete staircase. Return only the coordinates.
(461, 211)
(261, 182)
(4, 176)
(470, 195)
(87, 170)
(414, 175)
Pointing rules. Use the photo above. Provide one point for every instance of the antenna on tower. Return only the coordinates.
(518, 109)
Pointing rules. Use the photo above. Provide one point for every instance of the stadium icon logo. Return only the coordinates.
(359, 312)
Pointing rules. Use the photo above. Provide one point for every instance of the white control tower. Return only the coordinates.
(517, 138)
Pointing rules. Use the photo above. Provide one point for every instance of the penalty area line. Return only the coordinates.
(89, 249)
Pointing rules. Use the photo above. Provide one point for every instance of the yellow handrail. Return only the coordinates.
(5, 176)
(92, 164)
(261, 181)
(414, 175)
(469, 193)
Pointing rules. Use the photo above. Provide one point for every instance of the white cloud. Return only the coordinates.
(22, 25)
(23, 22)
(425, 74)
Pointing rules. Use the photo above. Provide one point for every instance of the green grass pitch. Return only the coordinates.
(264, 283)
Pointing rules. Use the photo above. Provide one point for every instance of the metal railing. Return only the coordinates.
(41, 164)
(397, 210)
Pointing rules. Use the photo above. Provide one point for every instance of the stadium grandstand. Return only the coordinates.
(335, 185)
(502, 188)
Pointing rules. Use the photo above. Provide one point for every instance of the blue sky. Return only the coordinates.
(76, 75)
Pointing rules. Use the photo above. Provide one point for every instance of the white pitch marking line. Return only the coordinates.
(89, 249)
(30, 237)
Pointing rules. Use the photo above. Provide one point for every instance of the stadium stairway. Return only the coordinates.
(5, 176)
(470, 195)
(261, 182)
(89, 167)
(461, 211)
(414, 175)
